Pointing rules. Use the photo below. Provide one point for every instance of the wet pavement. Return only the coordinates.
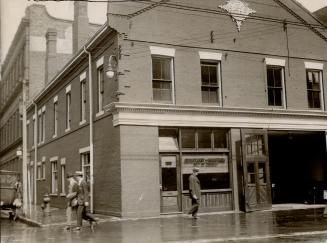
(268, 226)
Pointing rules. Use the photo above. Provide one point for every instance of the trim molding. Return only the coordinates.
(314, 65)
(183, 116)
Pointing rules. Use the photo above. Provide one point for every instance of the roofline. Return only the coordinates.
(73, 60)
(308, 12)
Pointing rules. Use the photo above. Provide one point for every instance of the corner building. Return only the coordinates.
(165, 86)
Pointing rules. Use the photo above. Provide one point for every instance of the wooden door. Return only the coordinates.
(256, 182)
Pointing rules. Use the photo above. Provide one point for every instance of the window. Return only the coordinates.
(33, 131)
(210, 75)
(85, 164)
(40, 127)
(55, 118)
(82, 100)
(39, 171)
(275, 85)
(204, 138)
(162, 79)
(100, 83)
(314, 87)
(43, 169)
(43, 125)
(54, 177)
(68, 107)
(63, 178)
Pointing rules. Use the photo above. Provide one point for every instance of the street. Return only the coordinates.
(268, 226)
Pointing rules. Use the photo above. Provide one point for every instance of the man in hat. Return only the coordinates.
(195, 192)
(83, 202)
(71, 198)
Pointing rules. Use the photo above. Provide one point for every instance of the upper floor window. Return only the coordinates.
(82, 98)
(55, 117)
(41, 124)
(314, 88)
(275, 86)
(100, 85)
(210, 88)
(162, 79)
(68, 107)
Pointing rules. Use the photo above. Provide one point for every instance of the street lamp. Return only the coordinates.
(112, 66)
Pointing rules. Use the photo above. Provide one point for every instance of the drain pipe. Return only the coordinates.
(35, 149)
(91, 130)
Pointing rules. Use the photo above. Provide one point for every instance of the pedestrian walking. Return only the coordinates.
(325, 210)
(195, 192)
(83, 202)
(71, 199)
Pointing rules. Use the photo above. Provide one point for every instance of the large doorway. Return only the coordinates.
(256, 170)
(297, 166)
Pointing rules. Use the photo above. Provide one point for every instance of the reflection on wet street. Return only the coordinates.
(268, 226)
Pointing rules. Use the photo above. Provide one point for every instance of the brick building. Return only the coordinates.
(41, 47)
(239, 92)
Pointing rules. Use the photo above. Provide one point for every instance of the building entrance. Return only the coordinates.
(297, 166)
(170, 184)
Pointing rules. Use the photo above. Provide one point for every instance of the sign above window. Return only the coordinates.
(206, 163)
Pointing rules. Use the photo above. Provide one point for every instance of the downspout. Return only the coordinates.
(91, 130)
(35, 150)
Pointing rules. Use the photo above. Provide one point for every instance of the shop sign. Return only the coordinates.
(206, 163)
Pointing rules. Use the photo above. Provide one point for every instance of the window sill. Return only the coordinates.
(63, 194)
(100, 113)
(67, 129)
(82, 122)
(54, 194)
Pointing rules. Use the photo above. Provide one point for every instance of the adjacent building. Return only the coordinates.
(322, 15)
(237, 88)
(40, 48)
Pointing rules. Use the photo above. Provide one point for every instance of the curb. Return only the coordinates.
(29, 221)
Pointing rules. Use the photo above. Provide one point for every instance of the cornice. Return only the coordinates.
(211, 110)
(208, 116)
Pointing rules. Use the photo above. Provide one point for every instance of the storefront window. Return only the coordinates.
(220, 138)
(168, 140)
(204, 138)
(213, 174)
(188, 138)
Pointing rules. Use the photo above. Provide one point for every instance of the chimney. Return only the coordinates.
(51, 65)
(80, 25)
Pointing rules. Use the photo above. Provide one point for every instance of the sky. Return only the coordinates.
(11, 12)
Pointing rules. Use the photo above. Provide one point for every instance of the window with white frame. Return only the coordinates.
(275, 86)
(83, 99)
(85, 166)
(43, 124)
(100, 88)
(43, 169)
(68, 110)
(33, 131)
(39, 171)
(162, 78)
(40, 126)
(54, 177)
(55, 117)
(63, 178)
(210, 86)
(314, 89)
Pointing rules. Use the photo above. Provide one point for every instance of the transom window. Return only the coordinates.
(162, 79)
(210, 82)
(275, 84)
(314, 83)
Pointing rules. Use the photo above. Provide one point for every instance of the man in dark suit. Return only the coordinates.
(195, 192)
(82, 201)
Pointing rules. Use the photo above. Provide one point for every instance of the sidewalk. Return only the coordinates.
(36, 217)
(261, 226)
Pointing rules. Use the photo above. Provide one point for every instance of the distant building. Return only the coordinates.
(41, 46)
(322, 15)
(168, 86)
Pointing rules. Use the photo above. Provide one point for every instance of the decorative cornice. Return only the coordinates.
(172, 115)
(238, 10)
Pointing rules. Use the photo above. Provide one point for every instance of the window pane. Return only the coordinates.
(213, 94)
(205, 94)
(270, 77)
(262, 173)
(162, 91)
(205, 74)
(188, 138)
(278, 77)
(156, 68)
(271, 97)
(204, 138)
(316, 99)
(278, 97)
(213, 75)
(166, 72)
(220, 140)
(251, 176)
